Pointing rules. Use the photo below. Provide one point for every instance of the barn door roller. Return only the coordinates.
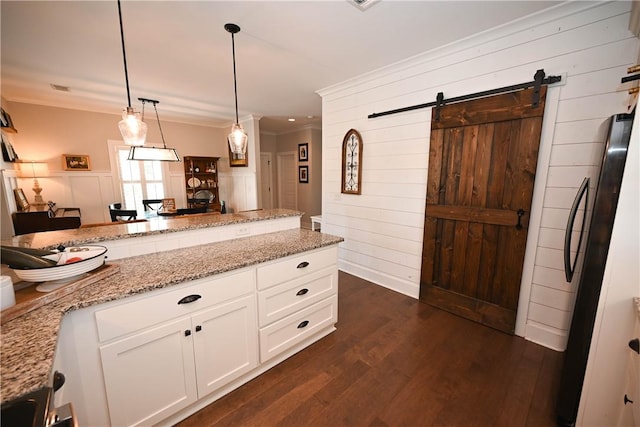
(539, 79)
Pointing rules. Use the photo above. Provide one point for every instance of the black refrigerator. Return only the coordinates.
(596, 242)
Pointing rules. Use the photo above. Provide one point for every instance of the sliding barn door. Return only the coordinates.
(482, 165)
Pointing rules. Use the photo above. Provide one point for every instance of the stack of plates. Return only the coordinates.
(91, 256)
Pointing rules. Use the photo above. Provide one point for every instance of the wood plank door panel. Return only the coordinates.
(482, 163)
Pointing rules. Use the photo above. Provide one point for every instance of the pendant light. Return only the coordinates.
(237, 138)
(163, 153)
(133, 130)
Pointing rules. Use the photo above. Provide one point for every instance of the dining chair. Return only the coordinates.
(147, 204)
(119, 214)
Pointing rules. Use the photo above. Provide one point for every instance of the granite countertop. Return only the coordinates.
(28, 342)
(156, 225)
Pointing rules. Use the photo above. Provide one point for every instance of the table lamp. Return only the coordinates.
(35, 170)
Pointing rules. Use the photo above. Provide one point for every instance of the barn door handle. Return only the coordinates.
(520, 215)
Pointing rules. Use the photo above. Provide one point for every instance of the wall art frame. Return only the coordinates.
(235, 161)
(76, 162)
(21, 200)
(352, 145)
(303, 174)
(303, 152)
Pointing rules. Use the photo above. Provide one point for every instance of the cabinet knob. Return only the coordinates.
(634, 345)
(190, 298)
(627, 400)
(302, 291)
(198, 328)
(187, 332)
(303, 264)
(303, 324)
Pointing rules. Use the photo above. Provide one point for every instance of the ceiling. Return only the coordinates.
(179, 53)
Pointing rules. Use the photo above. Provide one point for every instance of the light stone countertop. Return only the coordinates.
(155, 225)
(28, 342)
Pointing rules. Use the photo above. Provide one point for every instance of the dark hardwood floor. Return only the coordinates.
(394, 361)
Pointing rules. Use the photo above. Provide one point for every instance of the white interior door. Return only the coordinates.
(287, 181)
(265, 180)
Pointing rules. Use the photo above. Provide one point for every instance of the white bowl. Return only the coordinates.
(92, 258)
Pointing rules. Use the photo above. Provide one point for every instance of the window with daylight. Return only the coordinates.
(137, 179)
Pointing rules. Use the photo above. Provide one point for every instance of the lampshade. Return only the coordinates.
(153, 153)
(238, 141)
(33, 169)
(133, 130)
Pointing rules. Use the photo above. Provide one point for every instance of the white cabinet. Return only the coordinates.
(153, 373)
(149, 375)
(297, 299)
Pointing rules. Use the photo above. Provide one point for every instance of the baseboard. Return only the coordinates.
(386, 281)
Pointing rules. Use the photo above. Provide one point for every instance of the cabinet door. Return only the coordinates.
(225, 343)
(151, 375)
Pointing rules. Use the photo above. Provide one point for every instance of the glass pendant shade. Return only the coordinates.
(133, 130)
(238, 141)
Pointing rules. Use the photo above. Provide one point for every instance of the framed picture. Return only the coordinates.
(352, 163)
(76, 162)
(303, 152)
(236, 161)
(168, 205)
(21, 200)
(303, 174)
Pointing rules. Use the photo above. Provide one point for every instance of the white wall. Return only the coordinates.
(587, 43)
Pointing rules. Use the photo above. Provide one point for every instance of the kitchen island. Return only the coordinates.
(257, 265)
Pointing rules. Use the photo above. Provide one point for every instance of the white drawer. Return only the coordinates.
(285, 299)
(296, 266)
(285, 333)
(159, 306)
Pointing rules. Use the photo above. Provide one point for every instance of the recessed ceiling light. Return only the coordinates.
(60, 87)
(292, 119)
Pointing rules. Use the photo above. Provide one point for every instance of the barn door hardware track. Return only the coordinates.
(539, 79)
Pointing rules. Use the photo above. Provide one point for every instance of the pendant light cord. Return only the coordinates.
(124, 56)
(159, 127)
(235, 84)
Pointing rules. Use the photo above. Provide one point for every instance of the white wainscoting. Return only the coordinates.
(588, 44)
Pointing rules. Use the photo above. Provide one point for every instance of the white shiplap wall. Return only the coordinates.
(588, 44)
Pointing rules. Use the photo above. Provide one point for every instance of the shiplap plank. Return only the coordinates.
(551, 277)
(551, 297)
(577, 154)
(560, 319)
(380, 265)
(552, 258)
(581, 131)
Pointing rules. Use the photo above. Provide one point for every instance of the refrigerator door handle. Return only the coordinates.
(569, 266)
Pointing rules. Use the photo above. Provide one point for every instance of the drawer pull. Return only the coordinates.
(634, 345)
(302, 291)
(190, 298)
(303, 324)
(303, 264)
(187, 332)
(198, 328)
